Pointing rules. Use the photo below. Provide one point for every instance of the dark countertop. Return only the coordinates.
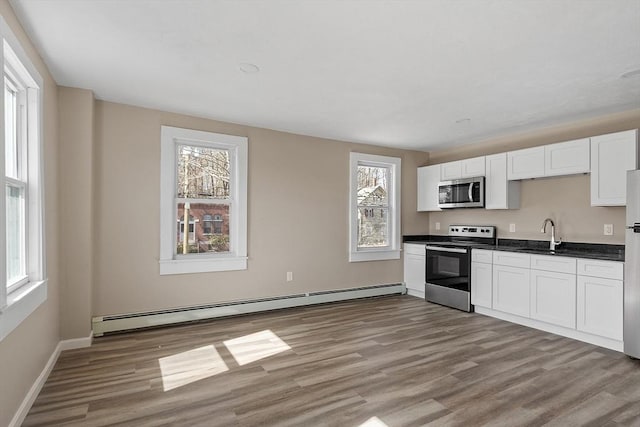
(600, 251)
(569, 249)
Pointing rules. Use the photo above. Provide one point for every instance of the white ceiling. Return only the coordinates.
(393, 73)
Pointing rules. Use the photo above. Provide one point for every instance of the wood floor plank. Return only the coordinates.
(396, 360)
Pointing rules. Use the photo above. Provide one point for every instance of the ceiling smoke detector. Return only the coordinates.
(248, 68)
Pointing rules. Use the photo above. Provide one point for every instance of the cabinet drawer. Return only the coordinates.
(511, 259)
(553, 263)
(482, 255)
(415, 249)
(596, 268)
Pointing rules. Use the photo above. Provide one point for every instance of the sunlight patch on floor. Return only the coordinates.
(252, 347)
(373, 422)
(190, 366)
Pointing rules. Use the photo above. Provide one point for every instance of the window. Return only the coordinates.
(203, 178)
(374, 208)
(217, 224)
(207, 224)
(21, 214)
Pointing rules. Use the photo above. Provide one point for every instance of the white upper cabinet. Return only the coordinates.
(473, 167)
(527, 163)
(612, 156)
(564, 158)
(428, 180)
(567, 158)
(500, 193)
(467, 168)
(451, 170)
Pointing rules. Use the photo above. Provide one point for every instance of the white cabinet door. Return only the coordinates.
(511, 290)
(467, 168)
(500, 193)
(428, 180)
(473, 167)
(481, 284)
(612, 156)
(567, 158)
(527, 163)
(414, 272)
(553, 297)
(451, 170)
(599, 306)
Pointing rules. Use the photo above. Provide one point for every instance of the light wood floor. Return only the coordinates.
(395, 361)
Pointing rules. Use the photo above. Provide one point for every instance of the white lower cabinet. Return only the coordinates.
(545, 292)
(481, 274)
(553, 297)
(414, 268)
(599, 306)
(511, 289)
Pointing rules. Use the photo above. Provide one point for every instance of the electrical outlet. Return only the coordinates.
(289, 276)
(608, 229)
(437, 226)
(512, 228)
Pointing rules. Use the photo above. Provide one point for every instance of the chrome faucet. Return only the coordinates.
(553, 243)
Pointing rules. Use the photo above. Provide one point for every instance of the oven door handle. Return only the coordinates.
(440, 249)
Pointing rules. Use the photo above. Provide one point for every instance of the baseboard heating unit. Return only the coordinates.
(125, 322)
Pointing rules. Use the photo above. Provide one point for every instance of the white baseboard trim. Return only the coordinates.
(554, 329)
(31, 396)
(76, 343)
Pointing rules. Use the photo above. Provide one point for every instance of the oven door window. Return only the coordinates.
(448, 269)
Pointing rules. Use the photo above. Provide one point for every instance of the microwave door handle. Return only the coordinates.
(471, 192)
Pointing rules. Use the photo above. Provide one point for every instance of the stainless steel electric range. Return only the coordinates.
(448, 266)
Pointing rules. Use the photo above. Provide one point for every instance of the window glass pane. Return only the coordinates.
(373, 186)
(208, 229)
(10, 135)
(373, 226)
(373, 206)
(15, 234)
(203, 173)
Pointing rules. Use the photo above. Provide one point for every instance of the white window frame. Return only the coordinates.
(392, 251)
(20, 300)
(236, 258)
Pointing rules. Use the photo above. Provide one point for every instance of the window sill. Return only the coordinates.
(20, 304)
(374, 255)
(205, 265)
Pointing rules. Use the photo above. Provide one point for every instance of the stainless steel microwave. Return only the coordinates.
(461, 193)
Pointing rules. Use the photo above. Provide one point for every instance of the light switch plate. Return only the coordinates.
(437, 226)
(608, 229)
(512, 228)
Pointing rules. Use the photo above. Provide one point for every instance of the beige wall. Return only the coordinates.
(75, 109)
(298, 215)
(25, 351)
(564, 199)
